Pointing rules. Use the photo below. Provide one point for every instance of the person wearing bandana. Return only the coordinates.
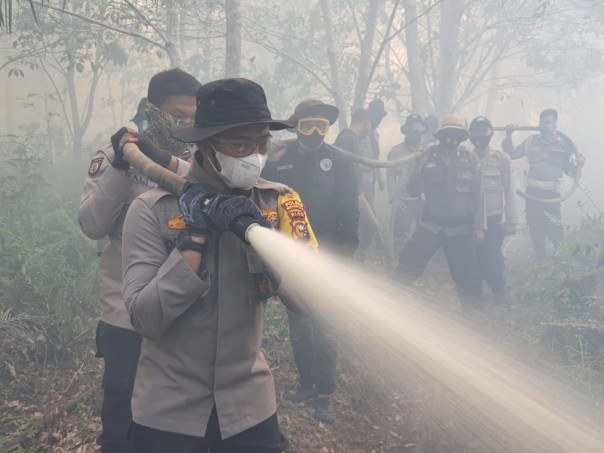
(327, 183)
(406, 210)
(549, 158)
(448, 176)
(110, 187)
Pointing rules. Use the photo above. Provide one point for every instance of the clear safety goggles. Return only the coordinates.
(241, 147)
(306, 126)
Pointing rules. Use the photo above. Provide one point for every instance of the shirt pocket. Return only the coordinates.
(491, 180)
(463, 181)
(435, 177)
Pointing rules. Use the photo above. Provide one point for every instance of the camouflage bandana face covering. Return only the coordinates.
(160, 124)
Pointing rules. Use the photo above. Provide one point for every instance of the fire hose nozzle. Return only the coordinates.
(242, 225)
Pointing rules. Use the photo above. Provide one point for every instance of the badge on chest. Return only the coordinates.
(326, 164)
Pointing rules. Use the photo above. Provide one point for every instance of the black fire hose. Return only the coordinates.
(363, 160)
(173, 183)
(576, 177)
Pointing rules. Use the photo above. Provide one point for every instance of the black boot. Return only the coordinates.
(325, 409)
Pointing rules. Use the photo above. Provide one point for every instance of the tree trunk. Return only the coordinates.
(232, 65)
(448, 57)
(173, 35)
(417, 84)
(76, 138)
(362, 85)
(334, 66)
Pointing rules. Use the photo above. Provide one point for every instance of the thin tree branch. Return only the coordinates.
(101, 24)
(426, 12)
(383, 45)
(146, 20)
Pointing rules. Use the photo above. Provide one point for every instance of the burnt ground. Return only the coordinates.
(51, 403)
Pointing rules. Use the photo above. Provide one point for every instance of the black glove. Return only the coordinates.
(118, 161)
(191, 200)
(205, 209)
(222, 210)
(152, 151)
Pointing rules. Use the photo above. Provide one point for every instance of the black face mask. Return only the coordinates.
(413, 138)
(450, 142)
(312, 141)
(481, 141)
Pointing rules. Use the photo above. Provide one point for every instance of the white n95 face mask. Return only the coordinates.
(240, 173)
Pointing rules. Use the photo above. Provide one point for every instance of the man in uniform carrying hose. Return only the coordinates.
(111, 185)
(549, 158)
(196, 291)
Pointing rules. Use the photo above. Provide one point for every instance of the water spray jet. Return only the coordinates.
(504, 406)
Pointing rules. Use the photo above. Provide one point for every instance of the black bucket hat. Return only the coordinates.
(227, 103)
(313, 108)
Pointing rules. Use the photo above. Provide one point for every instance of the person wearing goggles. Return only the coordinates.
(327, 182)
(309, 126)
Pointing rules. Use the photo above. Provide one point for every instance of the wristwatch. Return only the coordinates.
(185, 242)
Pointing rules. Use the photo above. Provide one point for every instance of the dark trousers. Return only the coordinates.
(262, 438)
(543, 220)
(461, 258)
(120, 349)
(490, 258)
(315, 348)
(405, 215)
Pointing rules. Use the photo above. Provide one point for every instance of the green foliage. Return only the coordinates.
(47, 267)
(562, 303)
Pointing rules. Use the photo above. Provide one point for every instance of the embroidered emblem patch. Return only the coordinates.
(300, 229)
(326, 164)
(177, 223)
(295, 211)
(270, 215)
(95, 166)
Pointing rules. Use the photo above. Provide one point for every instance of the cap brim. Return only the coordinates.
(195, 134)
(327, 111)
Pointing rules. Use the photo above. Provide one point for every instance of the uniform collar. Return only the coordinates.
(198, 174)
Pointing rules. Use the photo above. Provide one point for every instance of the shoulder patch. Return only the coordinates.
(270, 215)
(297, 215)
(177, 223)
(95, 166)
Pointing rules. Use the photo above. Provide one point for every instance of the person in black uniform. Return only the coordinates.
(326, 182)
(453, 218)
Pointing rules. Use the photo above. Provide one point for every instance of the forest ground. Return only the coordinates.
(53, 404)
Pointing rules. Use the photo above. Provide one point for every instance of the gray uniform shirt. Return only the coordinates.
(106, 197)
(498, 186)
(548, 162)
(202, 330)
(397, 178)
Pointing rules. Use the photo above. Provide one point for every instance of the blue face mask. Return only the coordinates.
(548, 131)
